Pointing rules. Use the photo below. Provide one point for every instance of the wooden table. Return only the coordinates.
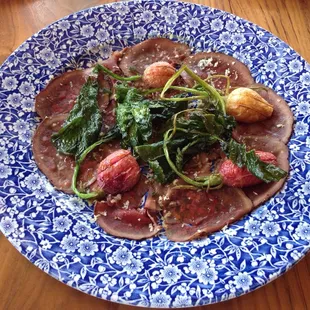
(22, 285)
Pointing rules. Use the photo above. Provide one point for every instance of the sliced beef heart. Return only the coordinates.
(207, 64)
(279, 125)
(189, 214)
(136, 58)
(262, 192)
(60, 94)
(58, 168)
(121, 215)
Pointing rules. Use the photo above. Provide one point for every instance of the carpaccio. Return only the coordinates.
(185, 214)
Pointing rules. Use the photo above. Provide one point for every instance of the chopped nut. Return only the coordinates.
(118, 197)
(203, 63)
(126, 205)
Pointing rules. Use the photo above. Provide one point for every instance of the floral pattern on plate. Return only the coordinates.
(56, 231)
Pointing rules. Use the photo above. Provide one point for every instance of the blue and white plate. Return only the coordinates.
(56, 232)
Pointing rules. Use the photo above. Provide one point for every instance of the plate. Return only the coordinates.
(56, 232)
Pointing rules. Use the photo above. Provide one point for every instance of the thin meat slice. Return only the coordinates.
(61, 93)
(122, 216)
(279, 125)
(189, 214)
(206, 64)
(59, 96)
(112, 62)
(262, 192)
(136, 58)
(59, 168)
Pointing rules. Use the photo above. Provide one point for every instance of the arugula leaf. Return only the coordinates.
(135, 114)
(155, 150)
(158, 171)
(132, 116)
(142, 118)
(194, 131)
(163, 110)
(179, 159)
(83, 124)
(237, 153)
(264, 171)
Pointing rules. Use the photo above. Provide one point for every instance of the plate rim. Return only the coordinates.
(8, 59)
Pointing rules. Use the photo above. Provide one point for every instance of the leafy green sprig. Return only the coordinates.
(188, 131)
(115, 76)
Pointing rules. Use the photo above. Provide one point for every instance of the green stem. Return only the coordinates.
(186, 187)
(214, 180)
(99, 67)
(223, 77)
(183, 99)
(179, 88)
(186, 147)
(208, 87)
(171, 80)
(77, 168)
(175, 120)
(152, 90)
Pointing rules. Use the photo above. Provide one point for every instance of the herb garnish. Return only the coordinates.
(83, 125)
(184, 132)
(115, 76)
(265, 172)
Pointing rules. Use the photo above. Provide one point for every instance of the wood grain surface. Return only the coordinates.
(24, 286)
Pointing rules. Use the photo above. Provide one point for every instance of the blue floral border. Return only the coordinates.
(56, 232)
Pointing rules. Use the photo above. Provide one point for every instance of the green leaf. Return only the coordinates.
(132, 116)
(158, 171)
(135, 114)
(179, 160)
(237, 153)
(212, 181)
(124, 119)
(163, 110)
(83, 124)
(142, 118)
(264, 171)
(155, 150)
